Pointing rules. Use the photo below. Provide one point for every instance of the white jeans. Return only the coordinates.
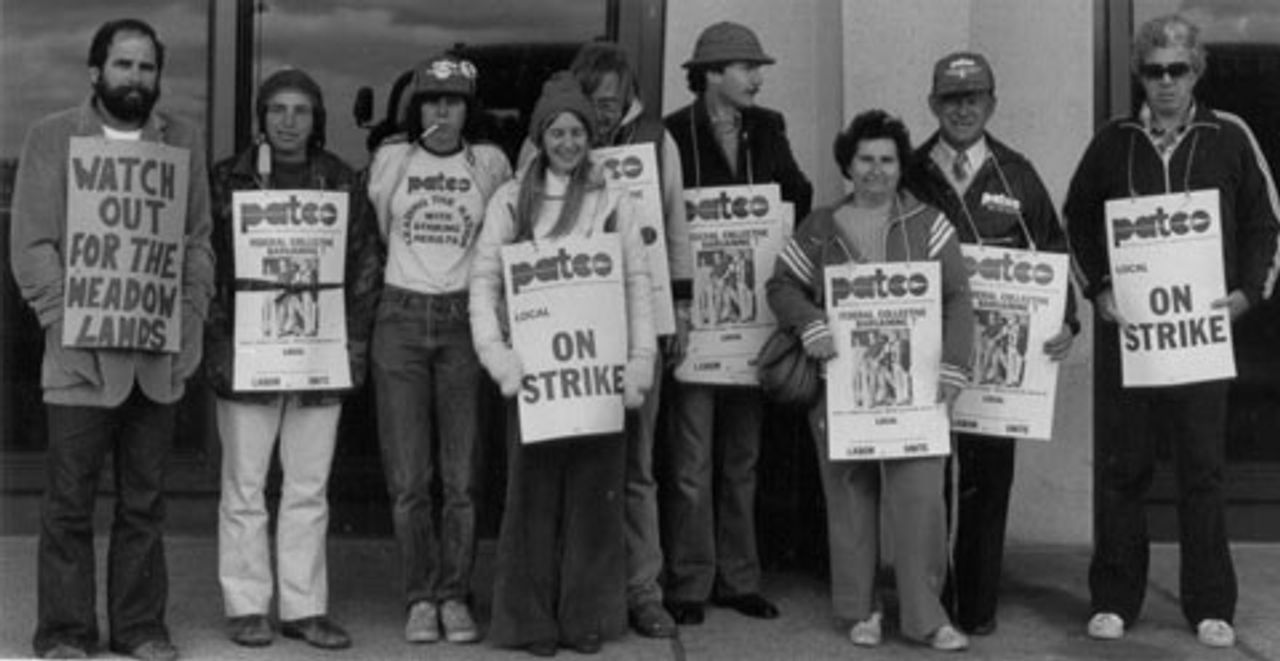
(307, 438)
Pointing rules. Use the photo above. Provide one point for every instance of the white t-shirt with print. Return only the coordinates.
(436, 212)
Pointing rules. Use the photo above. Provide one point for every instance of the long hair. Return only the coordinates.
(533, 192)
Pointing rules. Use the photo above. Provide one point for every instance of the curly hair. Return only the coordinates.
(1170, 31)
(871, 125)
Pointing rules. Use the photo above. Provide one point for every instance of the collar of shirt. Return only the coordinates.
(944, 155)
(1165, 140)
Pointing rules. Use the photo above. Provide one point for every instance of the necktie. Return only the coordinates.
(960, 167)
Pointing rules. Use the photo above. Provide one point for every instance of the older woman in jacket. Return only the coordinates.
(879, 222)
(561, 566)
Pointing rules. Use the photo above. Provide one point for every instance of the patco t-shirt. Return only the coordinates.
(435, 217)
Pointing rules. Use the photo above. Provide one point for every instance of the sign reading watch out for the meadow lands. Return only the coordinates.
(126, 215)
(566, 304)
(1166, 269)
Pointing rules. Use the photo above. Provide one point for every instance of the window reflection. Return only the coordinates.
(345, 46)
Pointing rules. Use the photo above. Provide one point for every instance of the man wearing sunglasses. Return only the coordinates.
(1172, 145)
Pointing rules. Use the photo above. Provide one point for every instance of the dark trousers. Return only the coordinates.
(986, 478)
(429, 388)
(562, 566)
(140, 433)
(1193, 418)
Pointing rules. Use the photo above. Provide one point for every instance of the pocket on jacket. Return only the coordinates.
(65, 367)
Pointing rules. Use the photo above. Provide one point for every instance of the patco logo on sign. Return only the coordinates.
(438, 183)
(1160, 225)
(292, 212)
(1008, 269)
(561, 266)
(727, 207)
(879, 285)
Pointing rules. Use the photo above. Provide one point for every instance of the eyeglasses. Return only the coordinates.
(1174, 70)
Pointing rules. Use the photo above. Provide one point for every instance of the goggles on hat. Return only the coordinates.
(1175, 70)
(444, 69)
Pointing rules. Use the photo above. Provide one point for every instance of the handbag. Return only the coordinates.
(787, 374)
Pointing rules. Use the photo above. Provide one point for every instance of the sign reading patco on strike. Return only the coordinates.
(736, 233)
(1019, 298)
(126, 219)
(882, 386)
(291, 319)
(1166, 270)
(573, 354)
(634, 168)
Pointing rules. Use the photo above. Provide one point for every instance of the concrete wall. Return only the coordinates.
(838, 58)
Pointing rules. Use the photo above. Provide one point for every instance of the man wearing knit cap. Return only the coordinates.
(993, 197)
(290, 156)
(724, 139)
(103, 397)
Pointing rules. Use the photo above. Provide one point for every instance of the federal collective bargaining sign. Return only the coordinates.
(126, 218)
(1019, 298)
(882, 386)
(736, 233)
(566, 306)
(290, 261)
(1166, 270)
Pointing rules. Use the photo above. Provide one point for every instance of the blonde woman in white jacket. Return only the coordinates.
(561, 567)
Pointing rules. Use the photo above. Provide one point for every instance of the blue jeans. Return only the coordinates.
(140, 433)
(429, 383)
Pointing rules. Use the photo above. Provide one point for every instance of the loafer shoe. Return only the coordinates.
(948, 639)
(651, 620)
(588, 644)
(459, 626)
(1215, 633)
(422, 625)
(867, 633)
(1106, 626)
(154, 650)
(64, 651)
(250, 630)
(318, 631)
(542, 648)
(751, 605)
(687, 613)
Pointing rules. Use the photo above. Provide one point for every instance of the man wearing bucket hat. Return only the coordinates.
(724, 139)
(429, 186)
(993, 197)
(291, 156)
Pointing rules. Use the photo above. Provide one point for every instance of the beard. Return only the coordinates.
(128, 103)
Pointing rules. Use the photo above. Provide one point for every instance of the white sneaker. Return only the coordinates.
(423, 623)
(948, 639)
(1215, 633)
(1106, 626)
(866, 633)
(459, 627)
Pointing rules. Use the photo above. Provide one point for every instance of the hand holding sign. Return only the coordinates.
(506, 368)
(1235, 302)
(1058, 346)
(1106, 302)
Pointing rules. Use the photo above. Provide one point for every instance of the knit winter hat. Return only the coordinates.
(561, 93)
(290, 78)
(961, 73)
(728, 42)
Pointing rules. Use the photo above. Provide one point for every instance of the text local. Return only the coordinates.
(572, 382)
(879, 285)
(1008, 269)
(561, 266)
(726, 207)
(1160, 225)
(1178, 334)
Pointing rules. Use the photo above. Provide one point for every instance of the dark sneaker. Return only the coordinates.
(751, 605)
(318, 631)
(250, 630)
(687, 613)
(155, 650)
(651, 620)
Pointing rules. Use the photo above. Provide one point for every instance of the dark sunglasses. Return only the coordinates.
(1175, 70)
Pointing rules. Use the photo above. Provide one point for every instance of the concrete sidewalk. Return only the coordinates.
(1042, 615)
